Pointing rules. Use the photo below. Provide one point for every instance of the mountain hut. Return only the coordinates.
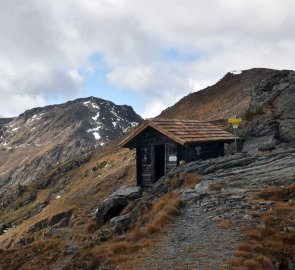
(161, 144)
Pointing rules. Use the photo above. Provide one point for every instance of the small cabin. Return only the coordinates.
(162, 144)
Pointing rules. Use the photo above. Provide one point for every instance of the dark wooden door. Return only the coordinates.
(159, 161)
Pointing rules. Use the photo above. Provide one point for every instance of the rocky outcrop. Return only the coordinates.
(130, 216)
(272, 102)
(59, 220)
(112, 206)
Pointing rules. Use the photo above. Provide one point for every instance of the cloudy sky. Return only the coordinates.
(145, 53)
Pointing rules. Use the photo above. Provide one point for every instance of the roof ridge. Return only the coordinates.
(183, 131)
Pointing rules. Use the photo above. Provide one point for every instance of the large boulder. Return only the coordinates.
(120, 224)
(130, 216)
(113, 205)
(130, 193)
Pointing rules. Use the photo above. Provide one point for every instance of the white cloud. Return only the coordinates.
(44, 44)
(139, 78)
(154, 108)
(20, 102)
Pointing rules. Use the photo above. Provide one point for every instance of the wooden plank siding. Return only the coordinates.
(161, 144)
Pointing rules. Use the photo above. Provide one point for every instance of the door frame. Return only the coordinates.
(154, 159)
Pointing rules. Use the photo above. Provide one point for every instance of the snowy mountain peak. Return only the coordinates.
(43, 137)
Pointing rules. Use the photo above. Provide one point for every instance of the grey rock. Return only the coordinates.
(237, 197)
(267, 203)
(202, 188)
(246, 217)
(261, 136)
(120, 224)
(59, 220)
(113, 205)
(185, 197)
(130, 193)
(109, 208)
(286, 103)
(104, 234)
(286, 130)
(25, 241)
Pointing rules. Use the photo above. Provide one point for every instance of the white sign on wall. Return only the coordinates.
(173, 158)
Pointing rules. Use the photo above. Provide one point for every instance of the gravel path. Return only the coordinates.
(194, 242)
(195, 239)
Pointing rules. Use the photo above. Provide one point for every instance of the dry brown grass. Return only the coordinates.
(278, 193)
(186, 180)
(191, 180)
(216, 186)
(225, 224)
(252, 264)
(163, 210)
(265, 245)
(143, 234)
(90, 227)
(135, 235)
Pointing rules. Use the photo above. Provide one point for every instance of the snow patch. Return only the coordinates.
(23, 145)
(34, 117)
(118, 117)
(91, 104)
(96, 135)
(114, 124)
(236, 72)
(134, 124)
(94, 129)
(95, 117)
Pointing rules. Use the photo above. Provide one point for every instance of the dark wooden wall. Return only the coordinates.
(145, 144)
(174, 152)
(202, 151)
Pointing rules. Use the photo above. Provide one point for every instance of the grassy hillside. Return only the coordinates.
(228, 97)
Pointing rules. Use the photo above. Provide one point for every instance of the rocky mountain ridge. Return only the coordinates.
(41, 138)
(230, 96)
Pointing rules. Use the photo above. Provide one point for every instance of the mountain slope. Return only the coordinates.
(228, 97)
(240, 197)
(41, 138)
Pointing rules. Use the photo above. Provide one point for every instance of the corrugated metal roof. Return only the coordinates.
(183, 131)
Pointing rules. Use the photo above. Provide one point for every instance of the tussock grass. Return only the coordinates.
(142, 235)
(90, 227)
(216, 186)
(270, 244)
(186, 180)
(278, 193)
(225, 224)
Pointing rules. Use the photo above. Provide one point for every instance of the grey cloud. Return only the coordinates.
(44, 43)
